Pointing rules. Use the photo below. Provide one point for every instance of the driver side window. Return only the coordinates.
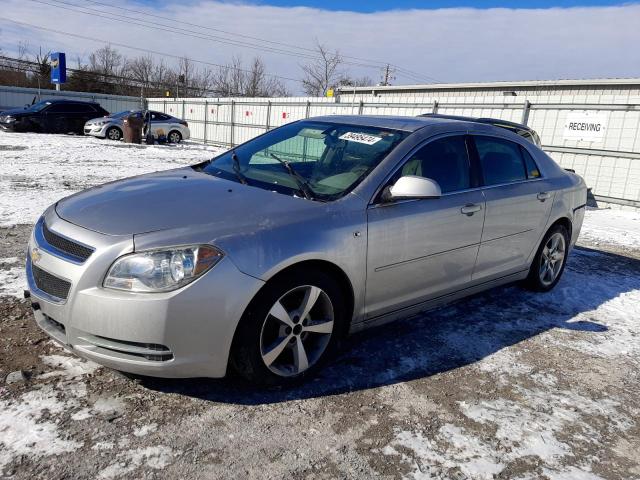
(444, 160)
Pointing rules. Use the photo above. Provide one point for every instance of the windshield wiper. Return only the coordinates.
(299, 179)
(236, 168)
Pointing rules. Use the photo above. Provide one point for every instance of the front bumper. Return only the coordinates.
(96, 130)
(184, 333)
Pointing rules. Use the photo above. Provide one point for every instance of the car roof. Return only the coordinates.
(486, 120)
(68, 101)
(393, 122)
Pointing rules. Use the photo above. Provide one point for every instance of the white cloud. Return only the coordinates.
(460, 44)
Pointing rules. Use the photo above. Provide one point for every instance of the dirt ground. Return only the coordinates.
(507, 385)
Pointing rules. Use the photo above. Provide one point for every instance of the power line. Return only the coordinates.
(140, 49)
(202, 36)
(264, 40)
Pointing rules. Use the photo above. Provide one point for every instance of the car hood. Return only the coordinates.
(176, 199)
(14, 112)
(107, 118)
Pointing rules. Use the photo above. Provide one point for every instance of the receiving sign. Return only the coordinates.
(585, 126)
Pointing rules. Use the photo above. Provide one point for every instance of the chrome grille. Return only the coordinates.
(50, 284)
(65, 245)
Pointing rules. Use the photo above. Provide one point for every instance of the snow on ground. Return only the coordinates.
(37, 170)
(616, 227)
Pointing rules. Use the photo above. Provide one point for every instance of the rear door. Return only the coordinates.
(56, 118)
(420, 249)
(518, 202)
(159, 124)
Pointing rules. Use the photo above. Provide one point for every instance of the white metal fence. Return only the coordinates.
(610, 165)
(18, 97)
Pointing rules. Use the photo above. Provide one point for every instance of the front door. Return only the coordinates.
(420, 249)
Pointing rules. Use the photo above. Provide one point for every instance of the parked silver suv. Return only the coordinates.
(266, 256)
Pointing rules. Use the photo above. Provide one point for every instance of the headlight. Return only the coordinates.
(161, 270)
(8, 119)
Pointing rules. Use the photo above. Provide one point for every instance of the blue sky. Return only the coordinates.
(381, 5)
(439, 41)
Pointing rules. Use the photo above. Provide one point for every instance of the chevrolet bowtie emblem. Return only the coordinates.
(35, 255)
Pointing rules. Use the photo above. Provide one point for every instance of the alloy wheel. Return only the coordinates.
(174, 137)
(552, 259)
(113, 134)
(297, 330)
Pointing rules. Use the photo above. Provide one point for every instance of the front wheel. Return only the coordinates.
(114, 133)
(292, 326)
(174, 136)
(548, 264)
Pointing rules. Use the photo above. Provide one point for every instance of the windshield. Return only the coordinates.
(310, 159)
(36, 107)
(122, 114)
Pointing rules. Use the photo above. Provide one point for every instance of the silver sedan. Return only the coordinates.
(265, 257)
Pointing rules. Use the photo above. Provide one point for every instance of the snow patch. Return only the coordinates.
(153, 457)
(13, 279)
(531, 426)
(145, 430)
(24, 432)
(68, 367)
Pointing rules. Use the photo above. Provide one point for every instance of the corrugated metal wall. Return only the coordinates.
(18, 97)
(611, 166)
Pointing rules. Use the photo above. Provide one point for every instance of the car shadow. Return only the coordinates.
(447, 338)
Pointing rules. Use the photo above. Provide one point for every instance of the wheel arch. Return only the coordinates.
(325, 266)
(333, 271)
(565, 222)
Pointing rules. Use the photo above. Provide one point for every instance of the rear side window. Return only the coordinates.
(532, 168)
(444, 160)
(501, 160)
(58, 108)
(81, 108)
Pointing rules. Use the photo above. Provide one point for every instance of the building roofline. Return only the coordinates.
(506, 85)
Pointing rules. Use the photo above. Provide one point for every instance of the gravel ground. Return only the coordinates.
(506, 384)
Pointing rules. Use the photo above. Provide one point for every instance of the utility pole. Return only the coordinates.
(387, 76)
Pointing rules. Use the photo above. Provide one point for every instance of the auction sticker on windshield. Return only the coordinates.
(360, 138)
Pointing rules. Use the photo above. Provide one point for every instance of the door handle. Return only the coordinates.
(542, 196)
(470, 208)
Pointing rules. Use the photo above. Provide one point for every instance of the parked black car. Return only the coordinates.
(52, 116)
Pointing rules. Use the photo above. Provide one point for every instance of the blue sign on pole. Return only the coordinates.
(58, 68)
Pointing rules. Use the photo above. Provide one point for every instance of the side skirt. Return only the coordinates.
(436, 302)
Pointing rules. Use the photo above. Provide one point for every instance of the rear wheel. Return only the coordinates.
(113, 133)
(548, 264)
(290, 329)
(174, 136)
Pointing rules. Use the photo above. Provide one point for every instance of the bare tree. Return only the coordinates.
(323, 74)
(141, 70)
(106, 61)
(235, 80)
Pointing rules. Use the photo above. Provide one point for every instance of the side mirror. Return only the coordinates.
(412, 186)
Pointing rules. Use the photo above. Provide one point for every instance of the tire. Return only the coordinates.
(266, 350)
(545, 272)
(174, 137)
(113, 133)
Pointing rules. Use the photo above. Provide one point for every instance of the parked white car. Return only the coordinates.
(164, 126)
